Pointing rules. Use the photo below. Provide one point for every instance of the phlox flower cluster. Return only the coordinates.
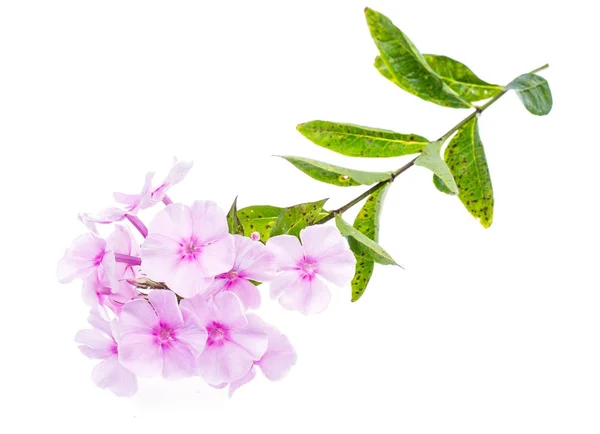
(181, 302)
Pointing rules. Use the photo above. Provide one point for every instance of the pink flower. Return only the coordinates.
(87, 255)
(234, 342)
(277, 360)
(133, 203)
(101, 343)
(97, 287)
(157, 339)
(187, 247)
(323, 254)
(252, 261)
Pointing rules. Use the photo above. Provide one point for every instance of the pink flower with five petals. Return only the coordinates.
(234, 342)
(157, 339)
(187, 247)
(323, 255)
(252, 261)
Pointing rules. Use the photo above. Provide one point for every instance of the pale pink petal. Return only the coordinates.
(253, 260)
(247, 292)
(160, 256)
(93, 290)
(308, 296)
(229, 310)
(81, 258)
(140, 353)
(165, 304)
(284, 281)
(137, 316)
(199, 307)
(106, 216)
(235, 385)
(221, 283)
(252, 338)
(174, 222)
(110, 374)
(95, 344)
(109, 268)
(217, 257)
(193, 334)
(287, 250)
(210, 223)
(99, 320)
(178, 361)
(320, 240)
(338, 268)
(186, 280)
(134, 202)
(177, 173)
(279, 357)
(223, 364)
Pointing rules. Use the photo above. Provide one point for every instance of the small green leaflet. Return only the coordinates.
(466, 158)
(367, 223)
(360, 243)
(357, 141)
(336, 175)
(233, 221)
(293, 219)
(461, 79)
(430, 158)
(259, 218)
(456, 75)
(406, 66)
(534, 93)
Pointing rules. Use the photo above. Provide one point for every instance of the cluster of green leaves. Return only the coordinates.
(461, 171)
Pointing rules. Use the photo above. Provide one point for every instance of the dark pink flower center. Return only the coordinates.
(190, 249)
(164, 335)
(99, 257)
(308, 268)
(232, 275)
(217, 333)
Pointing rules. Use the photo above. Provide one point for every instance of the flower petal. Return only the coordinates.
(199, 307)
(287, 250)
(284, 281)
(137, 316)
(95, 344)
(338, 267)
(235, 385)
(210, 223)
(320, 240)
(229, 310)
(247, 292)
(217, 257)
(110, 374)
(178, 361)
(174, 222)
(307, 296)
(279, 357)
(251, 338)
(253, 260)
(223, 363)
(193, 334)
(141, 354)
(165, 304)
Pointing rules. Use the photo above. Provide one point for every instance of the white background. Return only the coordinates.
(486, 331)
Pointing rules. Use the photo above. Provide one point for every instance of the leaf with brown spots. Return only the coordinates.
(293, 219)
(336, 175)
(366, 222)
(357, 141)
(259, 218)
(466, 158)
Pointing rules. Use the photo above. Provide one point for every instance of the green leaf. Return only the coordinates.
(259, 218)
(367, 223)
(336, 175)
(439, 184)
(293, 219)
(430, 158)
(534, 93)
(233, 221)
(466, 158)
(406, 67)
(360, 243)
(461, 79)
(356, 141)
